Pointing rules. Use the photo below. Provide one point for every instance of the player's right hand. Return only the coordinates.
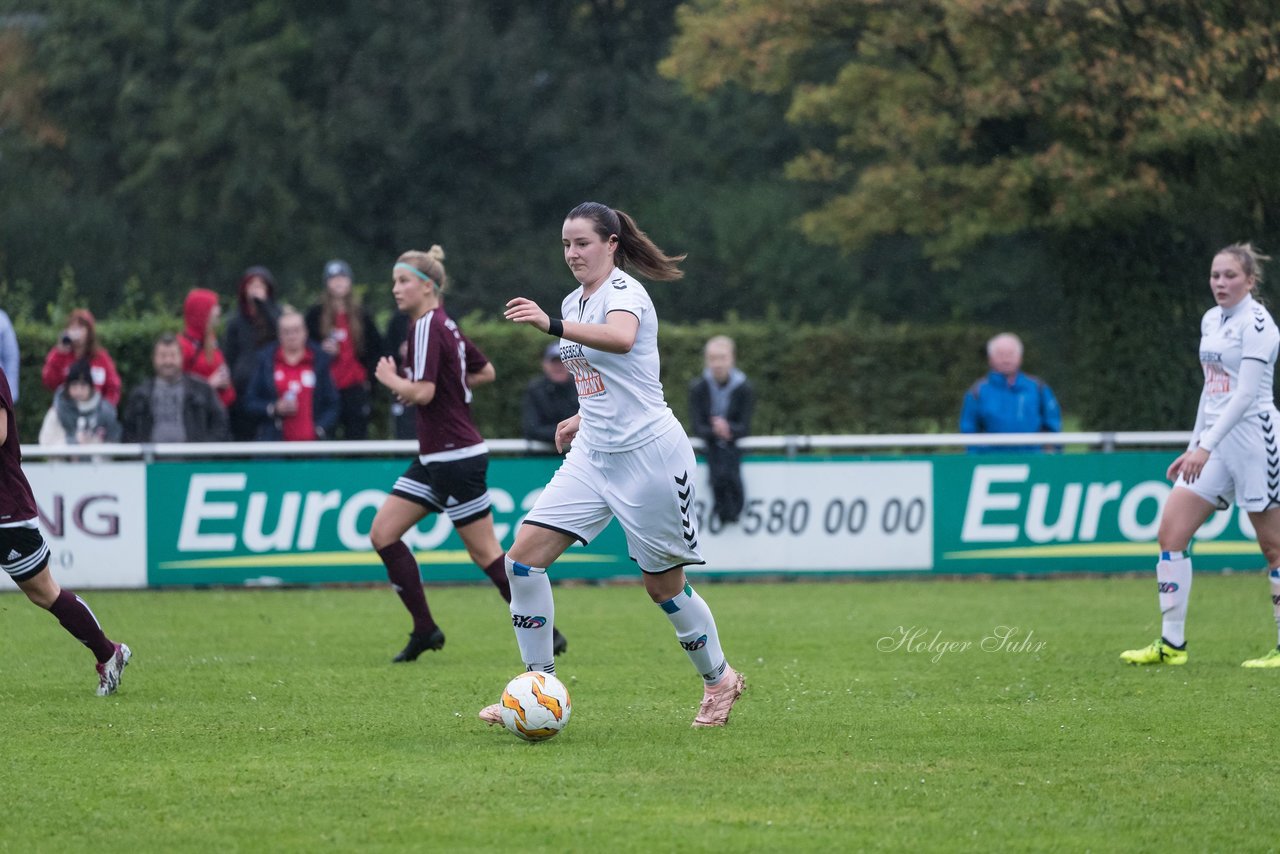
(565, 431)
(521, 310)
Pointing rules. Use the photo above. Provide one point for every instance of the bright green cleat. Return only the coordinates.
(1271, 659)
(1158, 652)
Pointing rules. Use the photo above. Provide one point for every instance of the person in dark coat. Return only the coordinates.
(252, 328)
(173, 406)
(291, 394)
(721, 403)
(548, 399)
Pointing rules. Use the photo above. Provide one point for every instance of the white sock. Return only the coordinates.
(532, 614)
(1275, 599)
(696, 631)
(1173, 572)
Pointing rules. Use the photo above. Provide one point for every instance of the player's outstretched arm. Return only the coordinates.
(616, 335)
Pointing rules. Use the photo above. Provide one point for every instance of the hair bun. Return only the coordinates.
(436, 251)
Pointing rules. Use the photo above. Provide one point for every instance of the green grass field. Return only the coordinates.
(271, 720)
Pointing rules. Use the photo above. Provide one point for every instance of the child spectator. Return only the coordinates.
(80, 415)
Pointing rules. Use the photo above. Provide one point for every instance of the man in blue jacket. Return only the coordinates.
(1007, 400)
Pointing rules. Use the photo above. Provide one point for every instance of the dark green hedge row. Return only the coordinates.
(853, 376)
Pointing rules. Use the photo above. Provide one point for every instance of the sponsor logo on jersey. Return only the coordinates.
(520, 621)
(1168, 587)
(690, 646)
(619, 284)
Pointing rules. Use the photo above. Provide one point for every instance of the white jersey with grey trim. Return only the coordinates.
(619, 394)
(1227, 337)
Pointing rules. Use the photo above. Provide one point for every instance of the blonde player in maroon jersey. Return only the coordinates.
(24, 555)
(449, 476)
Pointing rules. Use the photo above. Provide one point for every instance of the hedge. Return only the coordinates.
(852, 376)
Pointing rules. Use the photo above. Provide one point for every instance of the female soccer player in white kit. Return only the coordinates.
(1233, 448)
(629, 459)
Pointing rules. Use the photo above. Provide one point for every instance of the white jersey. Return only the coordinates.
(619, 395)
(1227, 337)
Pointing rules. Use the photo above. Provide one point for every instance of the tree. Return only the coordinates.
(1143, 129)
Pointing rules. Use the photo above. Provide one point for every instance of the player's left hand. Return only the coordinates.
(565, 431)
(521, 310)
(1190, 464)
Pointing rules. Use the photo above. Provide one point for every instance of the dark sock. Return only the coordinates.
(497, 572)
(406, 579)
(79, 621)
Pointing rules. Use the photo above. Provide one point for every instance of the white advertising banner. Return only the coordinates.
(94, 517)
(823, 516)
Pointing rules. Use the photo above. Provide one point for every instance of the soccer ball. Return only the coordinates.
(535, 706)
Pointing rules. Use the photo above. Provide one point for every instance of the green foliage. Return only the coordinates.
(961, 120)
(856, 375)
(237, 727)
(1125, 141)
(852, 376)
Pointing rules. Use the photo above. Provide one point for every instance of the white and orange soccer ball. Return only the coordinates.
(535, 706)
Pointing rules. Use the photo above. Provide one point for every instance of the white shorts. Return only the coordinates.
(1245, 466)
(649, 489)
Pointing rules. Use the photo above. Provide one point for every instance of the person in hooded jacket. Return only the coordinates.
(79, 341)
(201, 356)
(252, 328)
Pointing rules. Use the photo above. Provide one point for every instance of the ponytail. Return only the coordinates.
(636, 251)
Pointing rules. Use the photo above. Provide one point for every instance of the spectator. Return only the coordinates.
(1007, 400)
(80, 415)
(252, 328)
(9, 359)
(548, 399)
(79, 342)
(201, 356)
(721, 403)
(173, 406)
(347, 334)
(291, 394)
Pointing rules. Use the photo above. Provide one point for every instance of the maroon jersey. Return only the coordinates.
(17, 504)
(438, 352)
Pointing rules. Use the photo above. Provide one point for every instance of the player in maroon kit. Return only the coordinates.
(25, 555)
(449, 476)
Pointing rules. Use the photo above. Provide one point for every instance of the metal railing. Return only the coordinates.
(791, 446)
